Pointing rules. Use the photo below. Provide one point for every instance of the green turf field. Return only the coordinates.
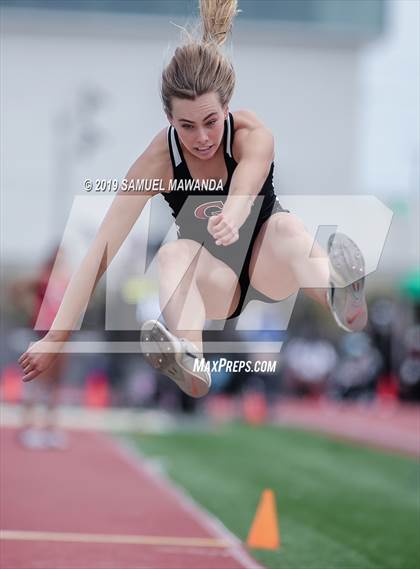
(340, 506)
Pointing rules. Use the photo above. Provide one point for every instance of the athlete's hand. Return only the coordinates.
(224, 230)
(225, 226)
(39, 357)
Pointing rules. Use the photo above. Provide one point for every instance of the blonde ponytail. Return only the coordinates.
(199, 67)
(217, 19)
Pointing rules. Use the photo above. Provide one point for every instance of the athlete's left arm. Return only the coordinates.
(255, 153)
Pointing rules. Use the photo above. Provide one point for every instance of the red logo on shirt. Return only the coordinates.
(206, 210)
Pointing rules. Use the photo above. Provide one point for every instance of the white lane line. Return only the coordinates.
(137, 460)
(17, 535)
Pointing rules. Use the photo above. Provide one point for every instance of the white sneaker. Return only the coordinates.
(55, 440)
(175, 358)
(348, 302)
(32, 438)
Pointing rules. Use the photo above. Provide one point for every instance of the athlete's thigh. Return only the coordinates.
(218, 285)
(269, 272)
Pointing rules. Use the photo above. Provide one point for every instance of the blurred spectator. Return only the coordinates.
(308, 364)
(357, 372)
(40, 297)
(409, 371)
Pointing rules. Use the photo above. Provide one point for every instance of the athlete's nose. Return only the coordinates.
(202, 139)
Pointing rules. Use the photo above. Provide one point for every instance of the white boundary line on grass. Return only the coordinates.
(136, 459)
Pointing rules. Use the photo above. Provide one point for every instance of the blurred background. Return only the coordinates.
(338, 84)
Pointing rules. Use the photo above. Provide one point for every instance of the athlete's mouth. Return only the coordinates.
(204, 148)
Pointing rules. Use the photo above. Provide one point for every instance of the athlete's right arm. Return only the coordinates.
(125, 209)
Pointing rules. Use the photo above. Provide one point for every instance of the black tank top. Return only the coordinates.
(192, 219)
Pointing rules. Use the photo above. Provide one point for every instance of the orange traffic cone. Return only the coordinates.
(264, 532)
(97, 392)
(11, 386)
(255, 408)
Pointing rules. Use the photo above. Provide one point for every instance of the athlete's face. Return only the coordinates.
(199, 124)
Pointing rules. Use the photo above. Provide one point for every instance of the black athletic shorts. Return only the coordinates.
(238, 255)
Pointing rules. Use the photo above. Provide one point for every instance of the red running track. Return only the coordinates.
(388, 426)
(99, 506)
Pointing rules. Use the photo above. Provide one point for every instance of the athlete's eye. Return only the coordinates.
(211, 123)
(187, 126)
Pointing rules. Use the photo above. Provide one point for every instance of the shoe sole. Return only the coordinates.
(163, 356)
(347, 259)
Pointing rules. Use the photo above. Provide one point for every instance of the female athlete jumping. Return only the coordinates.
(234, 244)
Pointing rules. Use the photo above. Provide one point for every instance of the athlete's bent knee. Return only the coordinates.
(288, 226)
(182, 250)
